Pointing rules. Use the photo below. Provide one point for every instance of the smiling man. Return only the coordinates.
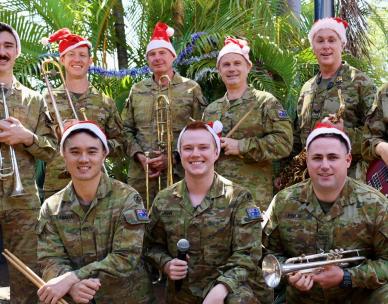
(326, 212)
(91, 232)
(139, 116)
(265, 135)
(28, 131)
(320, 96)
(218, 218)
(75, 56)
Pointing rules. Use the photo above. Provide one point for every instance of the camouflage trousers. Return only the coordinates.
(18, 228)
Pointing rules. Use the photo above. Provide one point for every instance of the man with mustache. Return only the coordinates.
(28, 131)
(75, 56)
(139, 117)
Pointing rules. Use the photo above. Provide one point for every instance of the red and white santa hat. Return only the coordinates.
(336, 24)
(161, 38)
(84, 125)
(215, 129)
(66, 40)
(237, 46)
(323, 128)
(16, 36)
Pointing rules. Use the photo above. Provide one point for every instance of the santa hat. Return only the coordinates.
(323, 128)
(215, 129)
(67, 41)
(16, 36)
(161, 38)
(336, 24)
(84, 125)
(237, 46)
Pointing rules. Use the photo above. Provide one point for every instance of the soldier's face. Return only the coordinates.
(160, 61)
(198, 153)
(84, 157)
(8, 52)
(233, 69)
(327, 47)
(327, 164)
(77, 62)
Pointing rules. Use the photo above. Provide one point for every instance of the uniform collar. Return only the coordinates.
(16, 85)
(246, 96)
(91, 89)
(149, 82)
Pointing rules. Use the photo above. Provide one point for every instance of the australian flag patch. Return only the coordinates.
(253, 213)
(142, 215)
(282, 114)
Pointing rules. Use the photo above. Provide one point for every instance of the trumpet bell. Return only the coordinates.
(272, 270)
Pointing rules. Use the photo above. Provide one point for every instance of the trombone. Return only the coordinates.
(18, 189)
(57, 70)
(273, 270)
(162, 114)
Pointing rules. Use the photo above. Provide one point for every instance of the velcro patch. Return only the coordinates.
(142, 214)
(282, 114)
(253, 213)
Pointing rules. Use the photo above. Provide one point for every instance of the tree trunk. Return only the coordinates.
(178, 15)
(119, 26)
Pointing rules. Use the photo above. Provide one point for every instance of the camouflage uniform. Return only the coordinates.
(316, 102)
(224, 232)
(99, 108)
(375, 130)
(264, 136)
(103, 242)
(358, 219)
(18, 215)
(140, 124)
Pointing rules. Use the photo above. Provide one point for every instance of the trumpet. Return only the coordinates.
(18, 189)
(273, 270)
(46, 72)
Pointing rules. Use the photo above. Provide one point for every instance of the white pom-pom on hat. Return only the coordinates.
(170, 32)
(217, 126)
(45, 41)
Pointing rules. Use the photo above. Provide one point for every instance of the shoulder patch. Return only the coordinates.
(253, 213)
(142, 214)
(282, 114)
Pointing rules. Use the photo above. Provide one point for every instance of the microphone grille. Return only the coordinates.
(183, 245)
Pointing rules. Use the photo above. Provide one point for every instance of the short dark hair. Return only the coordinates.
(4, 27)
(87, 131)
(332, 135)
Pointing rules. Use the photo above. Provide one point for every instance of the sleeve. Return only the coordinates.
(52, 257)
(297, 145)
(44, 144)
(374, 273)
(366, 91)
(199, 102)
(155, 240)
(277, 141)
(246, 246)
(375, 130)
(114, 128)
(131, 145)
(126, 244)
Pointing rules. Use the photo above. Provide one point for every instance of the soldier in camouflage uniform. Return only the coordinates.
(265, 135)
(91, 232)
(139, 117)
(375, 144)
(218, 218)
(331, 211)
(320, 96)
(28, 131)
(88, 102)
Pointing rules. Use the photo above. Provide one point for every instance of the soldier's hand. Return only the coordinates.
(57, 287)
(339, 125)
(13, 132)
(158, 163)
(216, 295)
(301, 281)
(331, 276)
(230, 146)
(84, 291)
(382, 151)
(176, 269)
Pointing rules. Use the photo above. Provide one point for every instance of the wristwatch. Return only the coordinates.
(347, 280)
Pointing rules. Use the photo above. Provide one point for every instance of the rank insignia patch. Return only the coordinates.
(142, 214)
(253, 213)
